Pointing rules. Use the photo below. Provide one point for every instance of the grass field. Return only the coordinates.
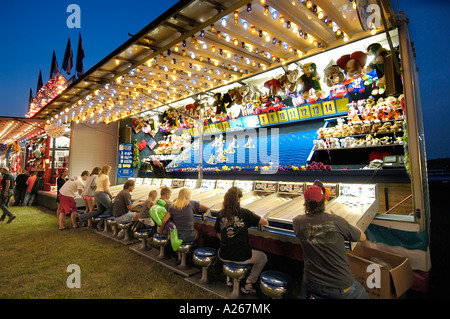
(34, 256)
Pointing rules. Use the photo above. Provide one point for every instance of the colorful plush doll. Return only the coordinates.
(272, 102)
(221, 104)
(358, 84)
(377, 52)
(310, 80)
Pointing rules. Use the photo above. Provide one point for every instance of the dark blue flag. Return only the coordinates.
(68, 58)
(80, 56)
(54, 69)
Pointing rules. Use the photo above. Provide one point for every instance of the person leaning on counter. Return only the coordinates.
(326, 272)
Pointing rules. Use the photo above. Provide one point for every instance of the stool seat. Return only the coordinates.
(185, 246)
(205, 252)
(104, 216)
(275, 284)
(234, 267)
(124, 225)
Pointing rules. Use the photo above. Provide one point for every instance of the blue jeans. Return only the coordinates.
(104, 203)
(4, 204)
(355, 291)
(29, 199)
(104, 206)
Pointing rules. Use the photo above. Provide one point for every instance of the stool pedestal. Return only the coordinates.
(237, 272)
(183, 250)
(112, 223)
(126, 228)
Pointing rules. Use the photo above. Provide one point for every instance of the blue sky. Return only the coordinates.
(31, 30)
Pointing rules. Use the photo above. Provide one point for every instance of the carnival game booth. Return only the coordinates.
(275, 92)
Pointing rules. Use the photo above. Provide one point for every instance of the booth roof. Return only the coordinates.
(16, 129)
(202, 45)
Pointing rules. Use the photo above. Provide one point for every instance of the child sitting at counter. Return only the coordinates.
(145, 221)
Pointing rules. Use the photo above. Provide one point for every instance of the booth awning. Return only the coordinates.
(16, 129)
(201, 45)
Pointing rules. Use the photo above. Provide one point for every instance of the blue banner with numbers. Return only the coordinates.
(125, 161)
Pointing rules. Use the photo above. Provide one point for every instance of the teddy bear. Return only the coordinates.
(289, 82)
(376, 126)
(334, 78)
(310, 79)
(366, 127)
(385, 128)
(357, 128)
(397, 126)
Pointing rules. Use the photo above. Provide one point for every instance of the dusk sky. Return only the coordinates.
(31, 30)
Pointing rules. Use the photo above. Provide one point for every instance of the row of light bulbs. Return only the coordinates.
(111, 112)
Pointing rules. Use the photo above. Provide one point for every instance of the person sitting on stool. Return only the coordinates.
(231, 227)
(326, 271)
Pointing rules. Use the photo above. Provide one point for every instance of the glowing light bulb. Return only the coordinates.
(224, 22)
(266, 10)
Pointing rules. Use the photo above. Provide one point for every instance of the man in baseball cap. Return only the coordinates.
(326, 273)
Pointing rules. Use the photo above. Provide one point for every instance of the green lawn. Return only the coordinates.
(34, 256)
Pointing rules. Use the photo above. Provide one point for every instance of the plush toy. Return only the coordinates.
(310, 80)
(290, 82)
(137, 125)
(377, 52)
(221, 103)
(334, 78)
(358, 84)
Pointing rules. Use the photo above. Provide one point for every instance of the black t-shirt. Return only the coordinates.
(21, 181)
(234, 244)
(7, 177)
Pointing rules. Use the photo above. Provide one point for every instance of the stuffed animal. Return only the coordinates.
(221, 104)
(377, 52)
(310, 80)
(358, 84)
(290, 82)
(334, 78)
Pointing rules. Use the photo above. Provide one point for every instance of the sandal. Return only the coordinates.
(248, 289)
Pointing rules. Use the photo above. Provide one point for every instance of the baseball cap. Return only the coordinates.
(314, 192)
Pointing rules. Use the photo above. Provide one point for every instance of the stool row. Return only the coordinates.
(273, 284)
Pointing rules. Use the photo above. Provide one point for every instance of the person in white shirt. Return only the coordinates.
(67, 199)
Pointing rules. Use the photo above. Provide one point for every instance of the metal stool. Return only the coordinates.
(143, 234)
(100, 218)
(237, 272)
(275, 284)
(112, 223)
(183, 250)
(160, 240)
(204, 257)
(126, 229)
